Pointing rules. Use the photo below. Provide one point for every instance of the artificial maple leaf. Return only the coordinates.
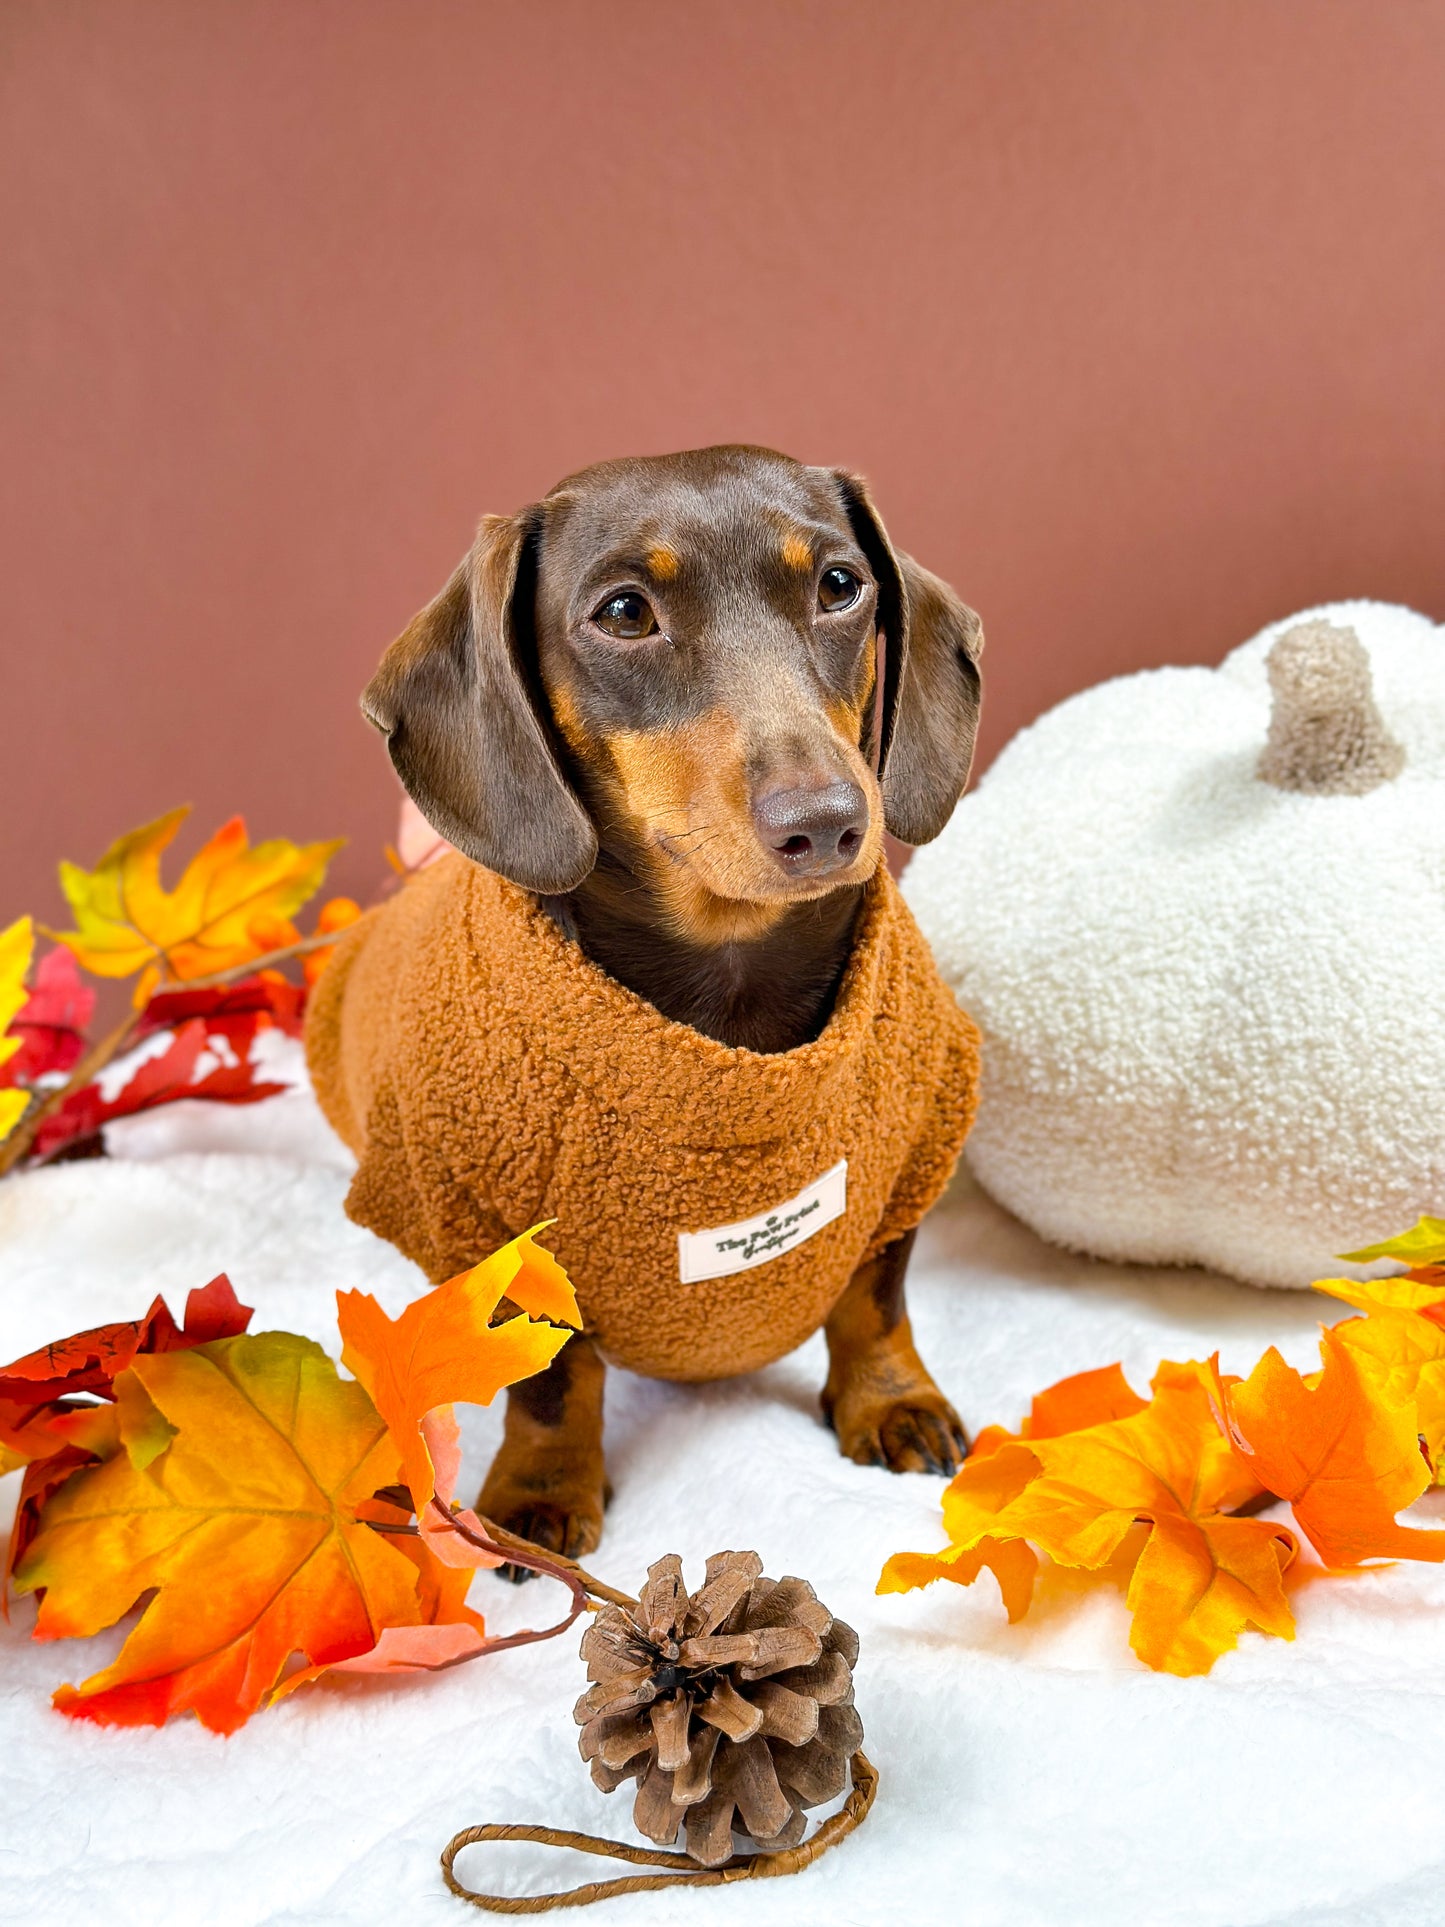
(1198, 1576)
(27, 1432)
(215, 919)
(1408, 1291)
(207, 1058)
(336, 914)
(1200, 1581)
(268, 996)
(17, 944)
(44, 1383)
(51, 1024)
(1400, 1344)
(1424, 1245)
(1013, 1563)
(444, 1348)
(91, 1360)
(427, 1648)
(246, 1530)
(1400, 1347)
(1345, 1457)
(1085, 1398)
(280, 933)
(449, 1633)
(43, 1478)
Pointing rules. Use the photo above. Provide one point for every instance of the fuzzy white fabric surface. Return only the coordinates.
(1032, 1776)
(1213, 1011)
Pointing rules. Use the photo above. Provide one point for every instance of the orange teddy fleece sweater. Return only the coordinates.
(711, 1203)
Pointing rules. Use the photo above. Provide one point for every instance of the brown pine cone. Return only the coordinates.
(731, 1707)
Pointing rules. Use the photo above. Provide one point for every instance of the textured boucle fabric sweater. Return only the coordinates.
(488, 1075)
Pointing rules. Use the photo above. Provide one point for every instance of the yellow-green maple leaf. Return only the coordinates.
(230, 903)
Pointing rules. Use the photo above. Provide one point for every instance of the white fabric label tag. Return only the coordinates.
(739, 1247)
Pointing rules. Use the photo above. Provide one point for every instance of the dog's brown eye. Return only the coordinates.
(626, 617)
(839, 589)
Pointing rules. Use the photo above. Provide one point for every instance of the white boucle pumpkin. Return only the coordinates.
(1213, 1008)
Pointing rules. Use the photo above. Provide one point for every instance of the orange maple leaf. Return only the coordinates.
(223, 912)
(335, 915)
(279, 933)
(444, 1348)
(1421, 1290)
(1400, 1342)
(1340, 1450)
(448, 1630)
(976, 1501)
(237, 1501)
(1400, 1349)
(41, 1426)
(1085, 1398)
(1198, 1577)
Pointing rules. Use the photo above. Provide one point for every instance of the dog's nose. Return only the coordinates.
(813, 831)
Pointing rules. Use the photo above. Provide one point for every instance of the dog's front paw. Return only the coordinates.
(918, 1431)
(561, 1512)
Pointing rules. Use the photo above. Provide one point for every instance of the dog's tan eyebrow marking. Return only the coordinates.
(797, 552)
(663, 561)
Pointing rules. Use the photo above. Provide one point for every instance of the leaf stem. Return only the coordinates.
(501, 1544)
(525, 1552)
(238, 972)
(521, 1552)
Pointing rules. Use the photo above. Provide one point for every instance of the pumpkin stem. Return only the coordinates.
(1325, 734)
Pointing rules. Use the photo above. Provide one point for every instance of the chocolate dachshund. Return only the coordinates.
(730, 684)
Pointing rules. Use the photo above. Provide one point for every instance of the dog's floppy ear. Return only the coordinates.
(458, 700)
(931, 685)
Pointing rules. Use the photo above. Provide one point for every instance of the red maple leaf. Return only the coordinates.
(90, 1360)
(52, 1021)
(269, 995)
(209, 1057)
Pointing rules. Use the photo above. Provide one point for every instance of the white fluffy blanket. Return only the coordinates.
(1033, 1774)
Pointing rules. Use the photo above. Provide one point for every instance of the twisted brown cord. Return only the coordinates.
(686, 1872)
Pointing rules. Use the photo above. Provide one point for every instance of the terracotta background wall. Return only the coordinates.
(1131, 309)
